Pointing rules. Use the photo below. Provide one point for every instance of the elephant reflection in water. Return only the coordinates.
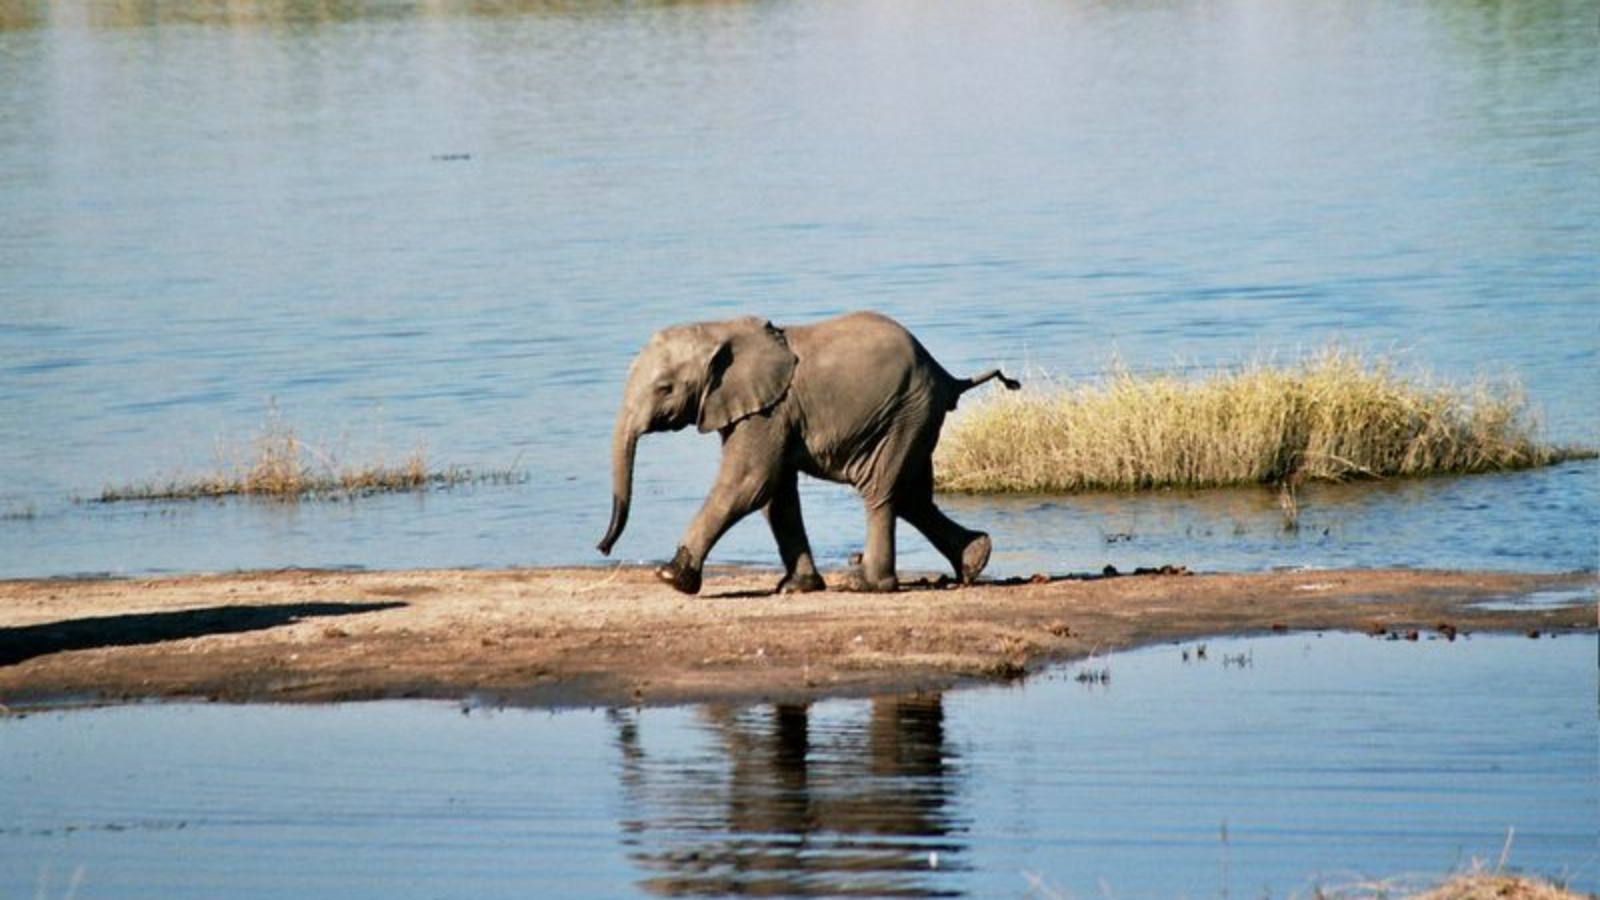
(858, 810)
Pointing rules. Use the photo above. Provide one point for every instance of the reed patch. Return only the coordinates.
(1333, 416)
(277, 464)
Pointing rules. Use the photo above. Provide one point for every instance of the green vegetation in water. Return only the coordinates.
(1333, 416)
(281, 466)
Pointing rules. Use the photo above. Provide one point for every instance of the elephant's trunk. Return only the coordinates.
(624, 444)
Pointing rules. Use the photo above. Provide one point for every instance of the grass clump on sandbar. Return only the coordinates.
(280, 466)
(1469, 886)
(1334, 415)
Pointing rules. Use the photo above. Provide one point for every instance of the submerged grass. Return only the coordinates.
(280, 466)
(1333, 416)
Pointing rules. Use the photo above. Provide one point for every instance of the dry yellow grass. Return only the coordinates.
(1333, 416)
(1475, 884)
(280, 466)
(1497, 887)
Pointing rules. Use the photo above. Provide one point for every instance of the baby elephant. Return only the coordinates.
(855, 400)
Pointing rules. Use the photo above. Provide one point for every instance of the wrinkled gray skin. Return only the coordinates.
(855, 400)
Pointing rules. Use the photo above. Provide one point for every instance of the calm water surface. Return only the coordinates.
(448, 225)
(1267, 768)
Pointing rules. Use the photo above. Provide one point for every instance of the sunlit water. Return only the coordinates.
(448, 225)
(1264, 768)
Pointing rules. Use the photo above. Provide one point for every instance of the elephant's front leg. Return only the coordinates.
(788, 528)
(745, 483)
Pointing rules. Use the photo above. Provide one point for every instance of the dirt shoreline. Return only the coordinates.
(614, 636)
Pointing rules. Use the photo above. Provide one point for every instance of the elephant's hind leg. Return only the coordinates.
(975, 558)
(967, 550)
(876, 572)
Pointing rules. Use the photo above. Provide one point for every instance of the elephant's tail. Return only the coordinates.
(968, 384)
(962, 385)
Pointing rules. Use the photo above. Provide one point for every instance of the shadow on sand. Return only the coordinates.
(19, 645)
(945, 582)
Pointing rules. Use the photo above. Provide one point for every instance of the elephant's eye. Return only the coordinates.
(663, 389)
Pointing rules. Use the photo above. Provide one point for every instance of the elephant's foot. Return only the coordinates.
(681, 573)
(856, 580)
(796, 583)
(975, 558)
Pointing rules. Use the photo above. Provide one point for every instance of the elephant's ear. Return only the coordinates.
(749, 373)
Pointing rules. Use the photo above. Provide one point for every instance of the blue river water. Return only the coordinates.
(1267, 767)
(448, 225)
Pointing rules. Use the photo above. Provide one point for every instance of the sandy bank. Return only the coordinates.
(614, 636)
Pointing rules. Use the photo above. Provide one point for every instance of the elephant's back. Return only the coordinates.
(866, 391)
(867, 354)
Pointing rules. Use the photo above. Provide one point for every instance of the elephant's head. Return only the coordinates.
(711, 375)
